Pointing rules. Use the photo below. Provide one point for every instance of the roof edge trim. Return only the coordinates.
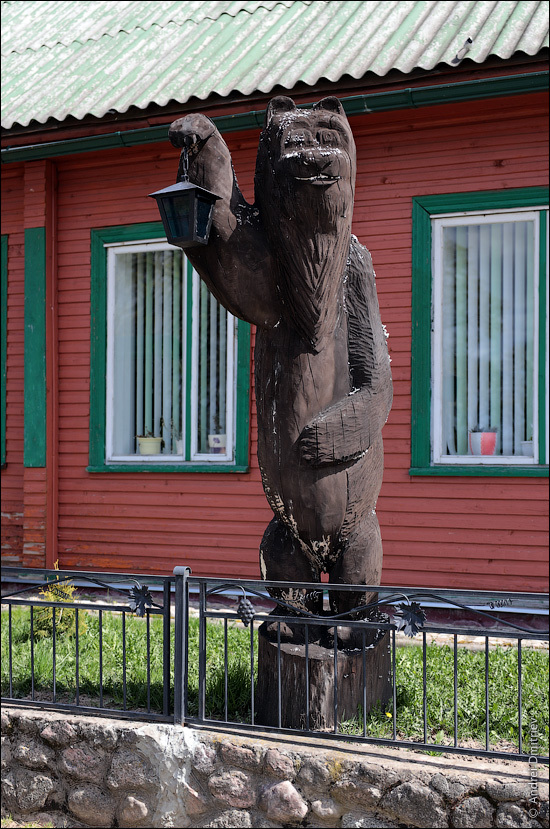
(410, 97)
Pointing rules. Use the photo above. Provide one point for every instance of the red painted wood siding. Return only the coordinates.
(12, 475)
(449, 532)
(473, 532)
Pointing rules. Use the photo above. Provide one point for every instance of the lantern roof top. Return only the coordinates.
(79, 59)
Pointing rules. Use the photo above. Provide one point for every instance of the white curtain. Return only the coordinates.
(487, 337)
(148, 349)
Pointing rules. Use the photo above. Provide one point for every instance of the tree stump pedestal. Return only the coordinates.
(354, 692)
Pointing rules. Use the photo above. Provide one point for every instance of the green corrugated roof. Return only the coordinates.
(63, 59)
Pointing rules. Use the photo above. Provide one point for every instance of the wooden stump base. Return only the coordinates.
(352, 695)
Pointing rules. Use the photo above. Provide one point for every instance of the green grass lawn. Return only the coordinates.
(503, 679)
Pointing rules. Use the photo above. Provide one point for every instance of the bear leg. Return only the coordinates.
(359, 562)
(282, 557)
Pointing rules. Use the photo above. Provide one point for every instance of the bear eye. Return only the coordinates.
(328, 138)
(297, 138)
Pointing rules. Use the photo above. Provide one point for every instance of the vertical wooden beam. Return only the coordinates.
(40, 375)
(52, 367)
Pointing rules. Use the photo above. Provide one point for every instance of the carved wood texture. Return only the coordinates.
(290, 265)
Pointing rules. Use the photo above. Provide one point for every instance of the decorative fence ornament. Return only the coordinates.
(409, 618)
(139, 599)
(245, 611)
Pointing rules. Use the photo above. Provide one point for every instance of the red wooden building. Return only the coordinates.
(106, 334)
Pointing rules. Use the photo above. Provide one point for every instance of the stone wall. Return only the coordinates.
(100, 772)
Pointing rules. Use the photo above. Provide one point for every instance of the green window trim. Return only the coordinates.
(98, 366)
(423, 208)
(3, 346)
(35, 348)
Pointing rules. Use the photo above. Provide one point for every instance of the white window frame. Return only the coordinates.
(189, 414)
(439, 222)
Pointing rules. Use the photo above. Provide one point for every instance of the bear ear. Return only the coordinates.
(277, 105)
(331, 103)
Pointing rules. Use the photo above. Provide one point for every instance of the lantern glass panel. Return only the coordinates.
(204, 209)
(178, 212)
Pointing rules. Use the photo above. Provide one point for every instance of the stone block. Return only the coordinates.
(357, 790)
(279, 764)
(26, 790)
(236, 788)
(450, 788)
(543, 813)
(9, 791)
(33, 754)
(314, 773)
(509, 790)
(416, 804)
(26, 725)
(59, 734)
(326, 809)
(240, 756)
(6, 752)
(132, 812)
(260, 821)
(282, 802)
(377, 775)
(6, 723)
(99, 734)
(92, 806)
(233, 819)
(352, 820)
(130, 770)
(473, 812)
(195, 802)
(204, 759)
(512, 816)
(84, 763)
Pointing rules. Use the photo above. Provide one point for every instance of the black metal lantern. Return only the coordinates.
(185, 209)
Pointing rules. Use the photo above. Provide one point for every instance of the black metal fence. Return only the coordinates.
(224, 652)
(48, 654)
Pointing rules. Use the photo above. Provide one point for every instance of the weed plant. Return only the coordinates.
(231, 645)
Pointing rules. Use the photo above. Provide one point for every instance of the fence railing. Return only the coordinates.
(84, 665)
(223, 652)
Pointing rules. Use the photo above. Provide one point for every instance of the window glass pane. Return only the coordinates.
(212, 367)
(147, 353)
(487, 338)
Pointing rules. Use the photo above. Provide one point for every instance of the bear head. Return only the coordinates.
(304, 188)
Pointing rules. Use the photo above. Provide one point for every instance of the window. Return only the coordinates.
(170, 366)
(480, 335)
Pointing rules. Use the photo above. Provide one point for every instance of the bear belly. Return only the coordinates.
(294, 386)
(313, 506)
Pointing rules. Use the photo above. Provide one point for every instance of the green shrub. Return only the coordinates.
(65, 618)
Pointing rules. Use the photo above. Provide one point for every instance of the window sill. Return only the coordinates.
(178, 468)
(511, 471)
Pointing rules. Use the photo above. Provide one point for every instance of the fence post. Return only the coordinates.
(166, 621)
(180, 646)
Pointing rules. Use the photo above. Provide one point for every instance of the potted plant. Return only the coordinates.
(482, 440)
(149, 444)
(217, 440)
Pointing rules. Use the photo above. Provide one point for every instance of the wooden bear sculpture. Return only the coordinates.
(290, 265)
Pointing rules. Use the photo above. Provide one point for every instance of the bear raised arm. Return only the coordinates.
(236, 264)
